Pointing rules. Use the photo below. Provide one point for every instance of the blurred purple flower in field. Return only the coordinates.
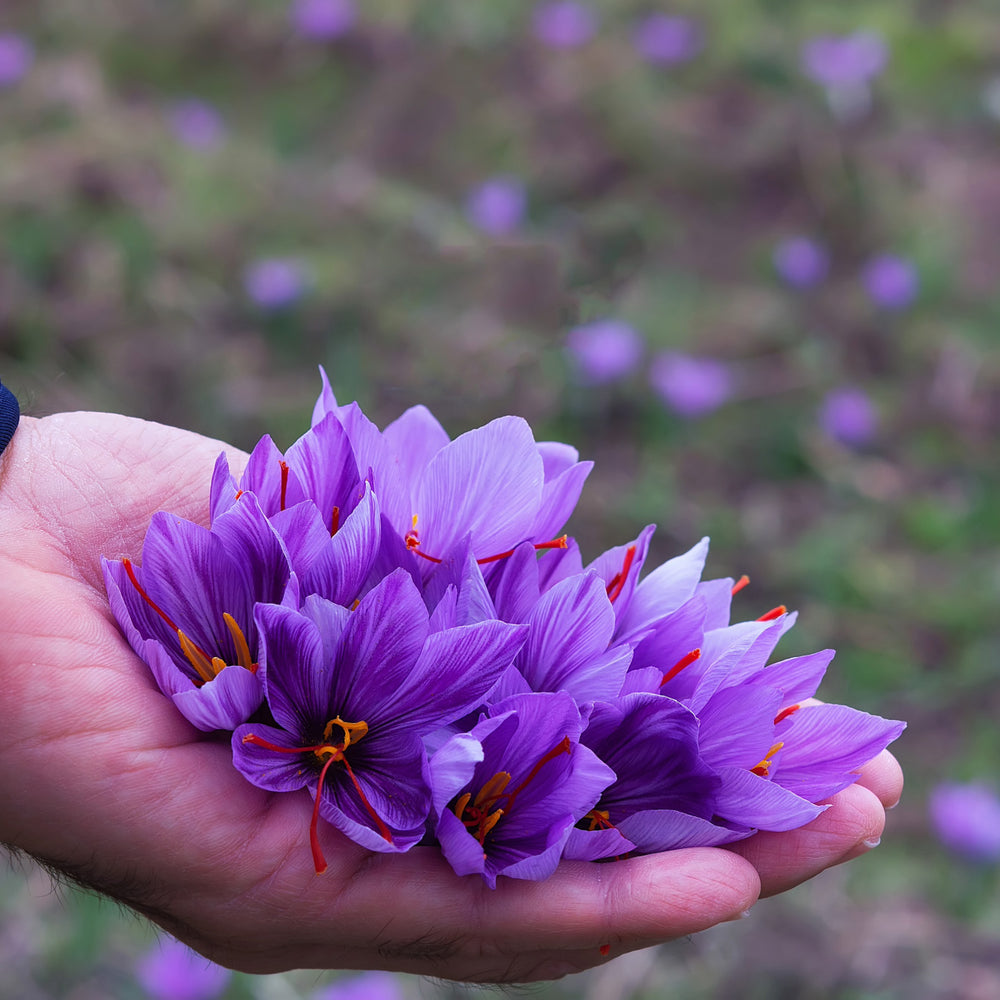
(844, 60)
(564, 24)
(801, 262)
(604, 350)
(667, 40)
(690, 386)
(497, 205)
(16, 56)
(849, 416)
(172, 971)
(891, 281)
(323, 19)
(197, 124)
(370, 986)
(966, 819)
(274, 282)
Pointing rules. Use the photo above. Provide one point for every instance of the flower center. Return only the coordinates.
(206, 667)
(328, 753)
(481, 815)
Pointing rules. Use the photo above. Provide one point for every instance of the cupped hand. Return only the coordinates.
(104, 780)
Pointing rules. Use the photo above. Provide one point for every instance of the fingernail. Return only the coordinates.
(874, 842)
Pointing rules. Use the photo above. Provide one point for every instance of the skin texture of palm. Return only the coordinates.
(104, 780)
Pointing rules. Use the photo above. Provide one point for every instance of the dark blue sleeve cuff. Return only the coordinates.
(10, 413)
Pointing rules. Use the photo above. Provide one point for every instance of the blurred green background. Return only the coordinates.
(202, 201)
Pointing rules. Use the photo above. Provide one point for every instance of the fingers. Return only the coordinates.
(424, 919)
(851, 825)
(884, 778)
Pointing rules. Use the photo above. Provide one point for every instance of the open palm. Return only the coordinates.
(106, 781)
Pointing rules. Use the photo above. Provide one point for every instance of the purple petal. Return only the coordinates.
(379, 647)
(223, 703)
(487, 483)
(269, 769)
(567, 647)
(297, 674)
(559, 499)
(667, 830)
(663, 591)
(737, 726)
(596, 845)
(454, 672)
(752, 800)
(344, 562)
(826, 745)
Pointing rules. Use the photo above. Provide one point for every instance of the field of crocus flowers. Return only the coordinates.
(741, 256)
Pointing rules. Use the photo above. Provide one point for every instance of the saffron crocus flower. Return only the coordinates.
(329, 520)
(564, 24)
(848, 415)
(966, 819)
(663, 796)
(844, 60)
(370, 986)
(197, 124)
(494, 485)
(507, 794)
(323, 20)
(275, 282)
(801, 262)
(16, 57)
(188, 609)
(891, 281)
(172, 971)
(667, 40)
(691, 387)
(354, 693)
(496, 206)
(604, 350)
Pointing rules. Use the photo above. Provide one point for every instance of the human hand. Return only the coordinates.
(105, 781)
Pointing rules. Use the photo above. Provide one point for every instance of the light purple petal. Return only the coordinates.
(223, 703)
(752, 800)
(657, 830)
(487, 483)
(663, 591)
(826, 746)
(596, 845)
(567, 647)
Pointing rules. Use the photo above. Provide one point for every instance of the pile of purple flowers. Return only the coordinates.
(392, 621)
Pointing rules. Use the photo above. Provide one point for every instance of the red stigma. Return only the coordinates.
(684, 661)
(284, 483)
(740, 584)
(605, 949)
(335, 521)
(617, 583)
(785, 713)
(774, 613)
(555, 543)
(328, 753)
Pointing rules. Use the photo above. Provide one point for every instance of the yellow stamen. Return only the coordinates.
(492, 790)
(201, 663)
(764, 767)
(461, 803)
(353, 731)
(243, 657)
(599, 818)
(488, 824)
